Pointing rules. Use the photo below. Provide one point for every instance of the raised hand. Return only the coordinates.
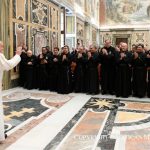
(19, 50)
(64, 57)
(79, 55)
(136, 55)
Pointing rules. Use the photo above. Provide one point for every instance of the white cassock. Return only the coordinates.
(5, 65)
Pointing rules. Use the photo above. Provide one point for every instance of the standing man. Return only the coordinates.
(108, 68)
(6, 65)
(92, 78)
(63, 78)
(139, 71)
(123, 72)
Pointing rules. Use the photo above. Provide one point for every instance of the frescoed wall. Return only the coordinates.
(126, 12)
(20, 9)
(39, 13)
(80, 32)
(20, 34)
(18, 28)
(80, 2)
(38, 21)
(39, 40)
(88, 6)
(34, 23)
(94, 31)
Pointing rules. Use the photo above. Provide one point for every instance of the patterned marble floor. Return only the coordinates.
(25, 109)
(106, 124)
(51, 121)
(21, 106)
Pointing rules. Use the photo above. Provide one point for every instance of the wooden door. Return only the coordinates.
(118, 40)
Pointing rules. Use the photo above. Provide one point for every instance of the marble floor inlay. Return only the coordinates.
(17, 112)
(51, 121)
(92, 127)
(25, 109)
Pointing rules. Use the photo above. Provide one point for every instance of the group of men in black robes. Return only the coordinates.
(64, 73)
(124, 72)
(119, 71)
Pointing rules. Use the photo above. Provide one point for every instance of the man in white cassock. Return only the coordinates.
(6, 65)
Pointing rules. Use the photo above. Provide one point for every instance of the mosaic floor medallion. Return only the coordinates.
(19, 111)
(106, 124)
(21, 107)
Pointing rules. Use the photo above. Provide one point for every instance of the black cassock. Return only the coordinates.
(30, 75)
(42, 77)
(79, 73)
(108, 71)
(54, 72)
(63, 77)
(91, 75)
(139, 75)
(148, 66)
(22, 69)
(123, 75)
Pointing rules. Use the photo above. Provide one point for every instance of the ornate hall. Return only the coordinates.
(74, 75)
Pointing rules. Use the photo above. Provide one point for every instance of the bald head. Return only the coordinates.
(107, 43)
(1, 46)
(29, 53)
(124, 46)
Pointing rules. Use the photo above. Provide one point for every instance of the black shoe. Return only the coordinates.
(117, 95)
(125, 96)
(103, 92)
(6, 136)
(112, 93)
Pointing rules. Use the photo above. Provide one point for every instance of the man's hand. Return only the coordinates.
(30, 63)
(55, 59)
(89, 55)
(122, 55)
(79, 55)
(104, 51)
(45, 61)
(19, 50)
(136, 55)
(148, 56)
(64, 57)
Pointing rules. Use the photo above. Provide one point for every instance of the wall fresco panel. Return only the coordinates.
(39, 40)
(39, 13)
(20, 35)
(127, 12)
(20, 9)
